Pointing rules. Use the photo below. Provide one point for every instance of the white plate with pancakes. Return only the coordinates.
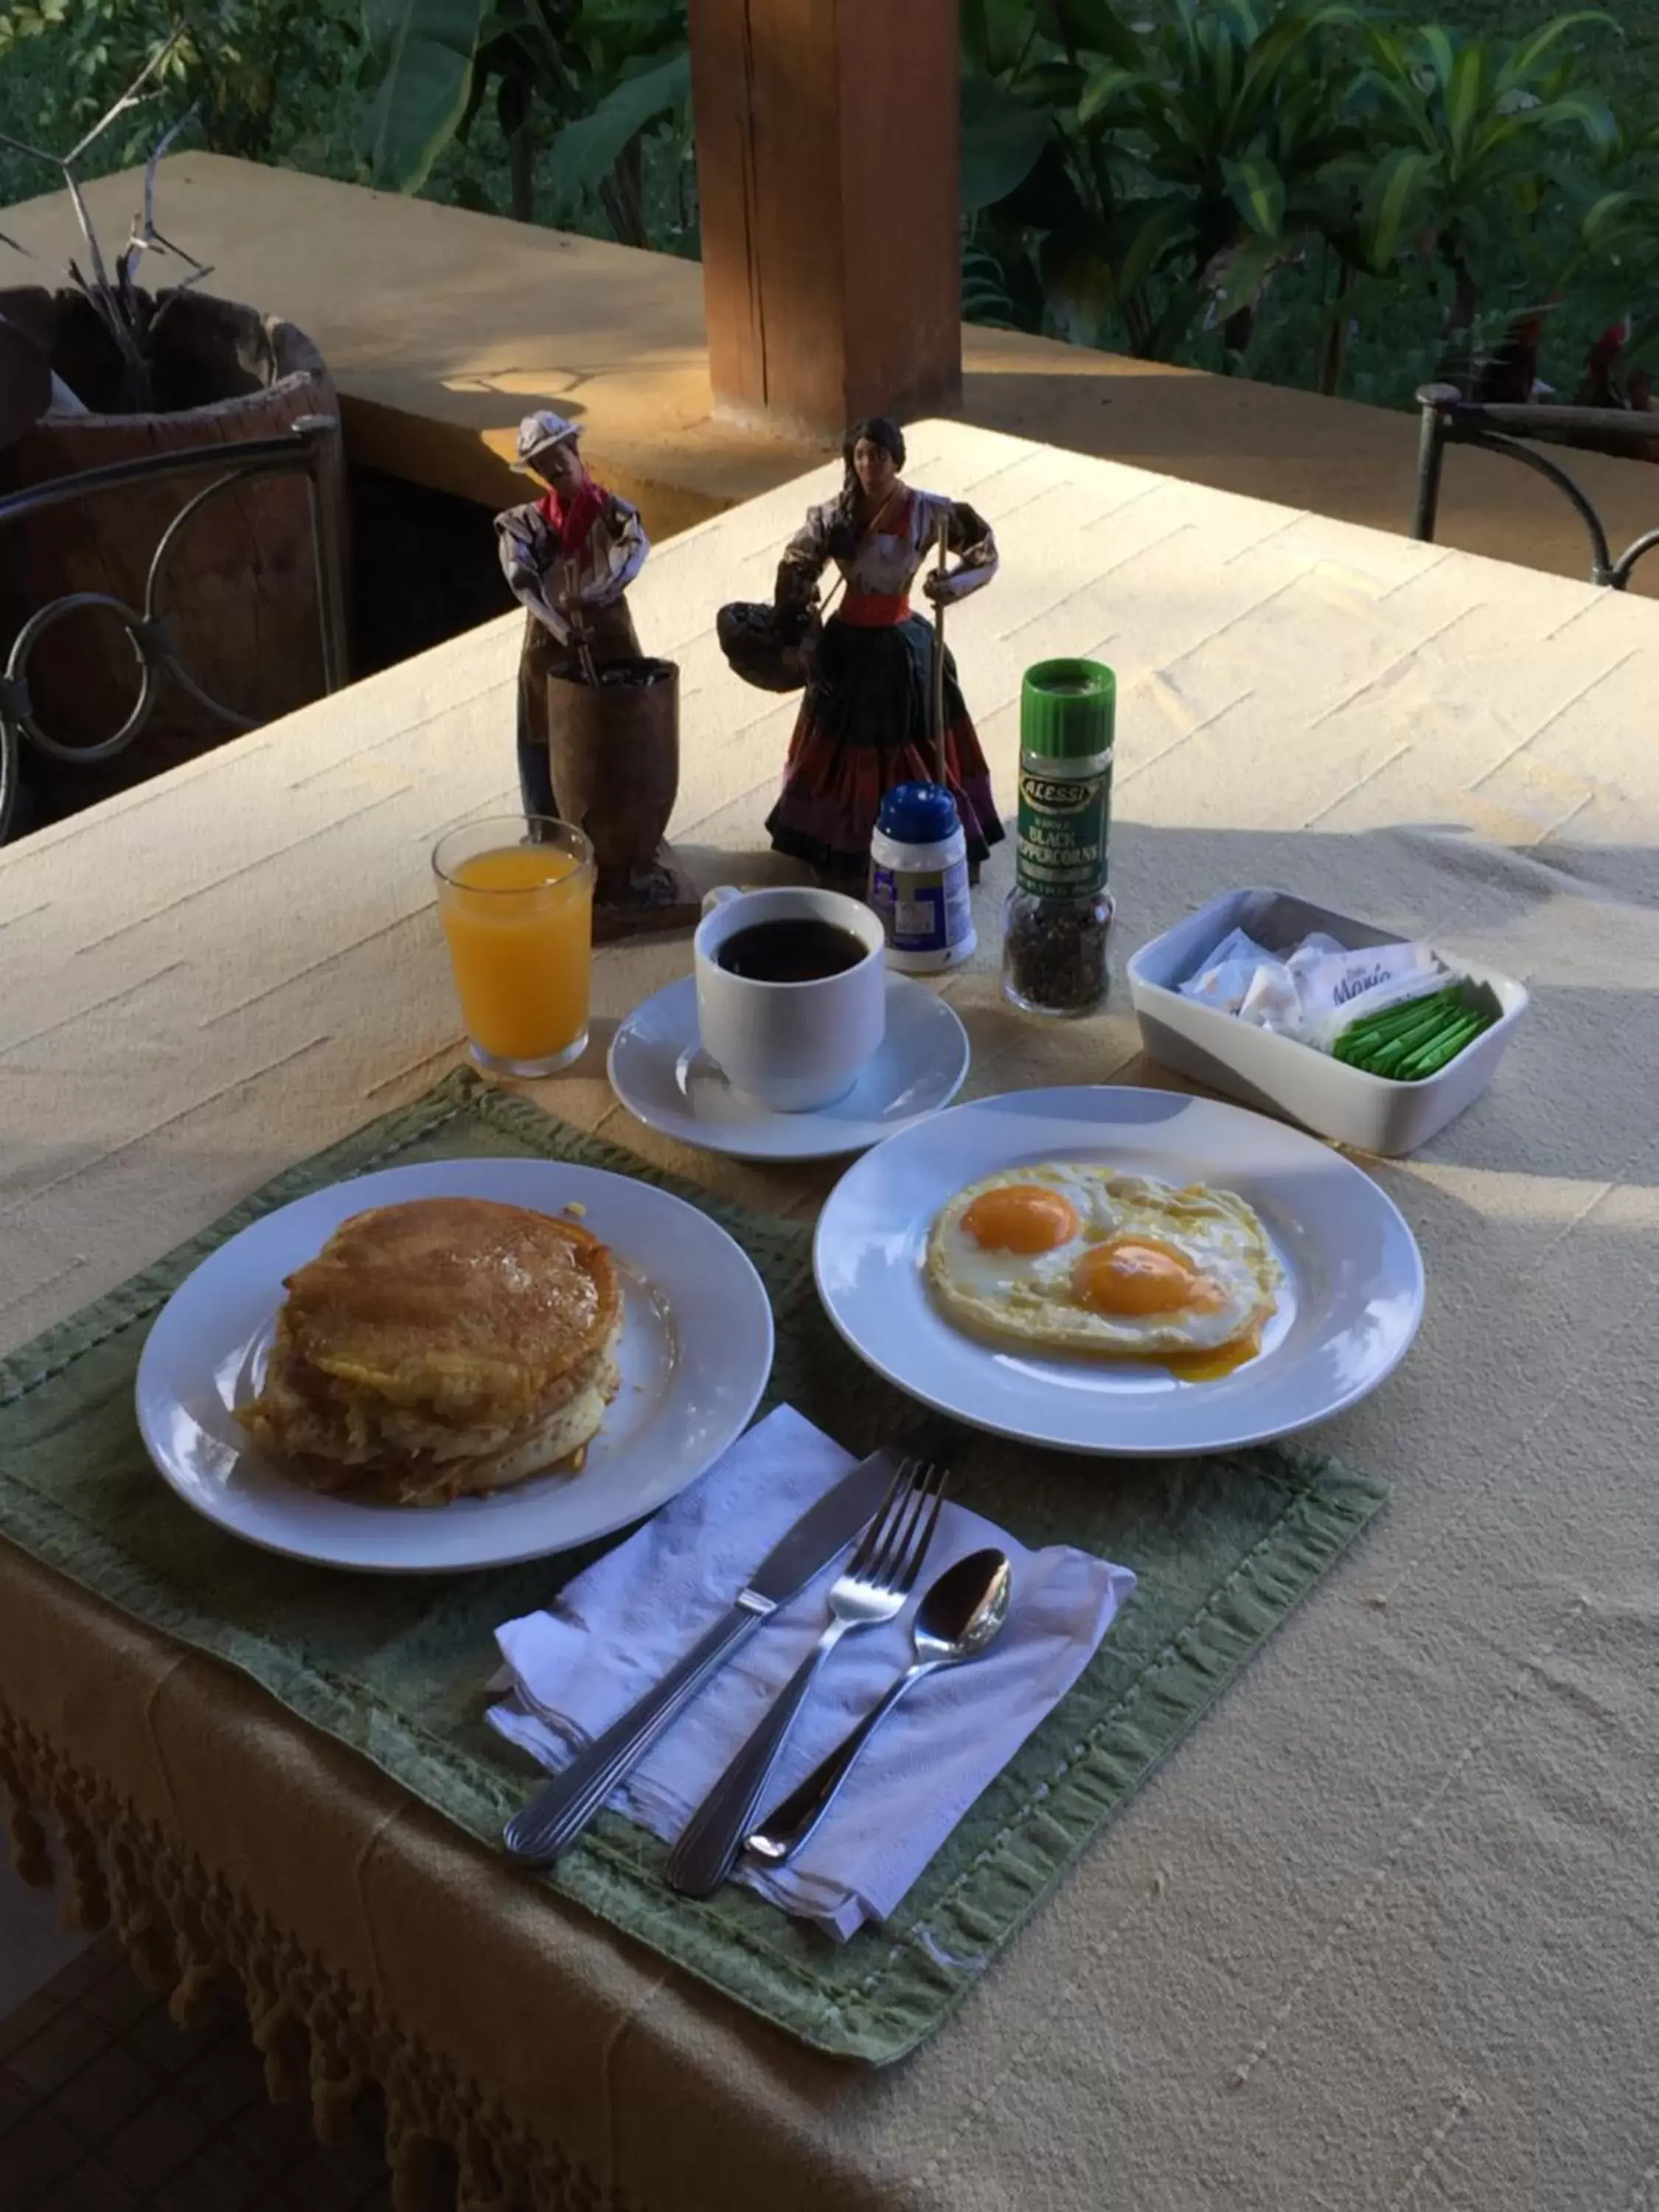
(440, 1350)
(1119, 1271)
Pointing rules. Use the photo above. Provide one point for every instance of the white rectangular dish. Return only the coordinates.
(1277, 1073)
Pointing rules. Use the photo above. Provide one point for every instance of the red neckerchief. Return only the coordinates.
(570, 525)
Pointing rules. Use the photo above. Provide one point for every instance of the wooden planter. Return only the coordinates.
(241, 601)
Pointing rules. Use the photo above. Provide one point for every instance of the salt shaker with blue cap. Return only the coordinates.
(919, 879)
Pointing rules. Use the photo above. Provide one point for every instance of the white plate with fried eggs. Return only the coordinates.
(1119, 1271)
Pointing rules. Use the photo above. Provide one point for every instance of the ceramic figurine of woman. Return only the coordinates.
(569, 556)
(865, 721)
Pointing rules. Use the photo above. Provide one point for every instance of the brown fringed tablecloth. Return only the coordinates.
(1381, 1933)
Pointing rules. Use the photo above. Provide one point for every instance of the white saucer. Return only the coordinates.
(663, 1076)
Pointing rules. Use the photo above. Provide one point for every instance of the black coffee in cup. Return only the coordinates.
(800, 949)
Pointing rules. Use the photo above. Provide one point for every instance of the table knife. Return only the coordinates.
(556, 1815)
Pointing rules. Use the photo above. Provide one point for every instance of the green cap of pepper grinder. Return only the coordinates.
(1067, 709)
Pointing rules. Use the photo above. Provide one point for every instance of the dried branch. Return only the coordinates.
(83, 216)
(155, 163)
(144, 237)
(18, 247)
(119, 306)
(134, 96)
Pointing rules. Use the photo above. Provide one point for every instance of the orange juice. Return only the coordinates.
(519, 918)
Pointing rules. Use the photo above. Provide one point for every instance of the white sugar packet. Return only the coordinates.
(1338, 994)
(1317, 990)
(1228, 973)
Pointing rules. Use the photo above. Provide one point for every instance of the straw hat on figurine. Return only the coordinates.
(538, 433)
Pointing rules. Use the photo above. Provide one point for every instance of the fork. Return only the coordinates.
(871, 1587)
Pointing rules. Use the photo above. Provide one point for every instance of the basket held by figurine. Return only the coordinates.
(770, 647)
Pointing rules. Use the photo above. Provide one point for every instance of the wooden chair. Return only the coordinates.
(302, 450)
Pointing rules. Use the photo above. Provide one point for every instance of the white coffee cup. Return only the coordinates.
(792, 1047)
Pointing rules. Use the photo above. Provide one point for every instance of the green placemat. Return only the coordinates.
(395, 1666)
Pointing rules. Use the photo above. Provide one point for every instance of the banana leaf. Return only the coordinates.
(1523, 64)
(586, 151)
(1087, 273)
(1002, 141)
(417, 70)
(1394, 204)
(1257, 191)
(1117, 97)
(1091, 27)
(996, 35)
(1237, 278)
(1593, 116)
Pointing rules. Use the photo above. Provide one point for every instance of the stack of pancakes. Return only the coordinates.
(441, 1347)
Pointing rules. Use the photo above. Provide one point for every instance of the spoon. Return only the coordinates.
(956, 1621)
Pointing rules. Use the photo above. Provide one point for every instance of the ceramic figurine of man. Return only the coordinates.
(569, 556)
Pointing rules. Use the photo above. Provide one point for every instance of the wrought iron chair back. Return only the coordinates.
(1449, 419)
(307, 447)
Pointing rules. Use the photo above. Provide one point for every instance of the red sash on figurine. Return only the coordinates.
(874, 610)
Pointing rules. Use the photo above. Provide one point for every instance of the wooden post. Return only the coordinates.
(827, 178)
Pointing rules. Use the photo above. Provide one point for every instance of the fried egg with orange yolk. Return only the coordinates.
(1069, 1255)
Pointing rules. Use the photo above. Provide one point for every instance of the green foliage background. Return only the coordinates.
(280, 81)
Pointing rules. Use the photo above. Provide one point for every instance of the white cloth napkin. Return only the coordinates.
(618, 1627)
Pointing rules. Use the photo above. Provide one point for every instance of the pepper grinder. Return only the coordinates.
(1059, 912)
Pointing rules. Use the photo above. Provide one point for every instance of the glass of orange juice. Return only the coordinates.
(515, 896)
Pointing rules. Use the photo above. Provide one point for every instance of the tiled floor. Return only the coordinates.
(105, 2104)
(34, 1944)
